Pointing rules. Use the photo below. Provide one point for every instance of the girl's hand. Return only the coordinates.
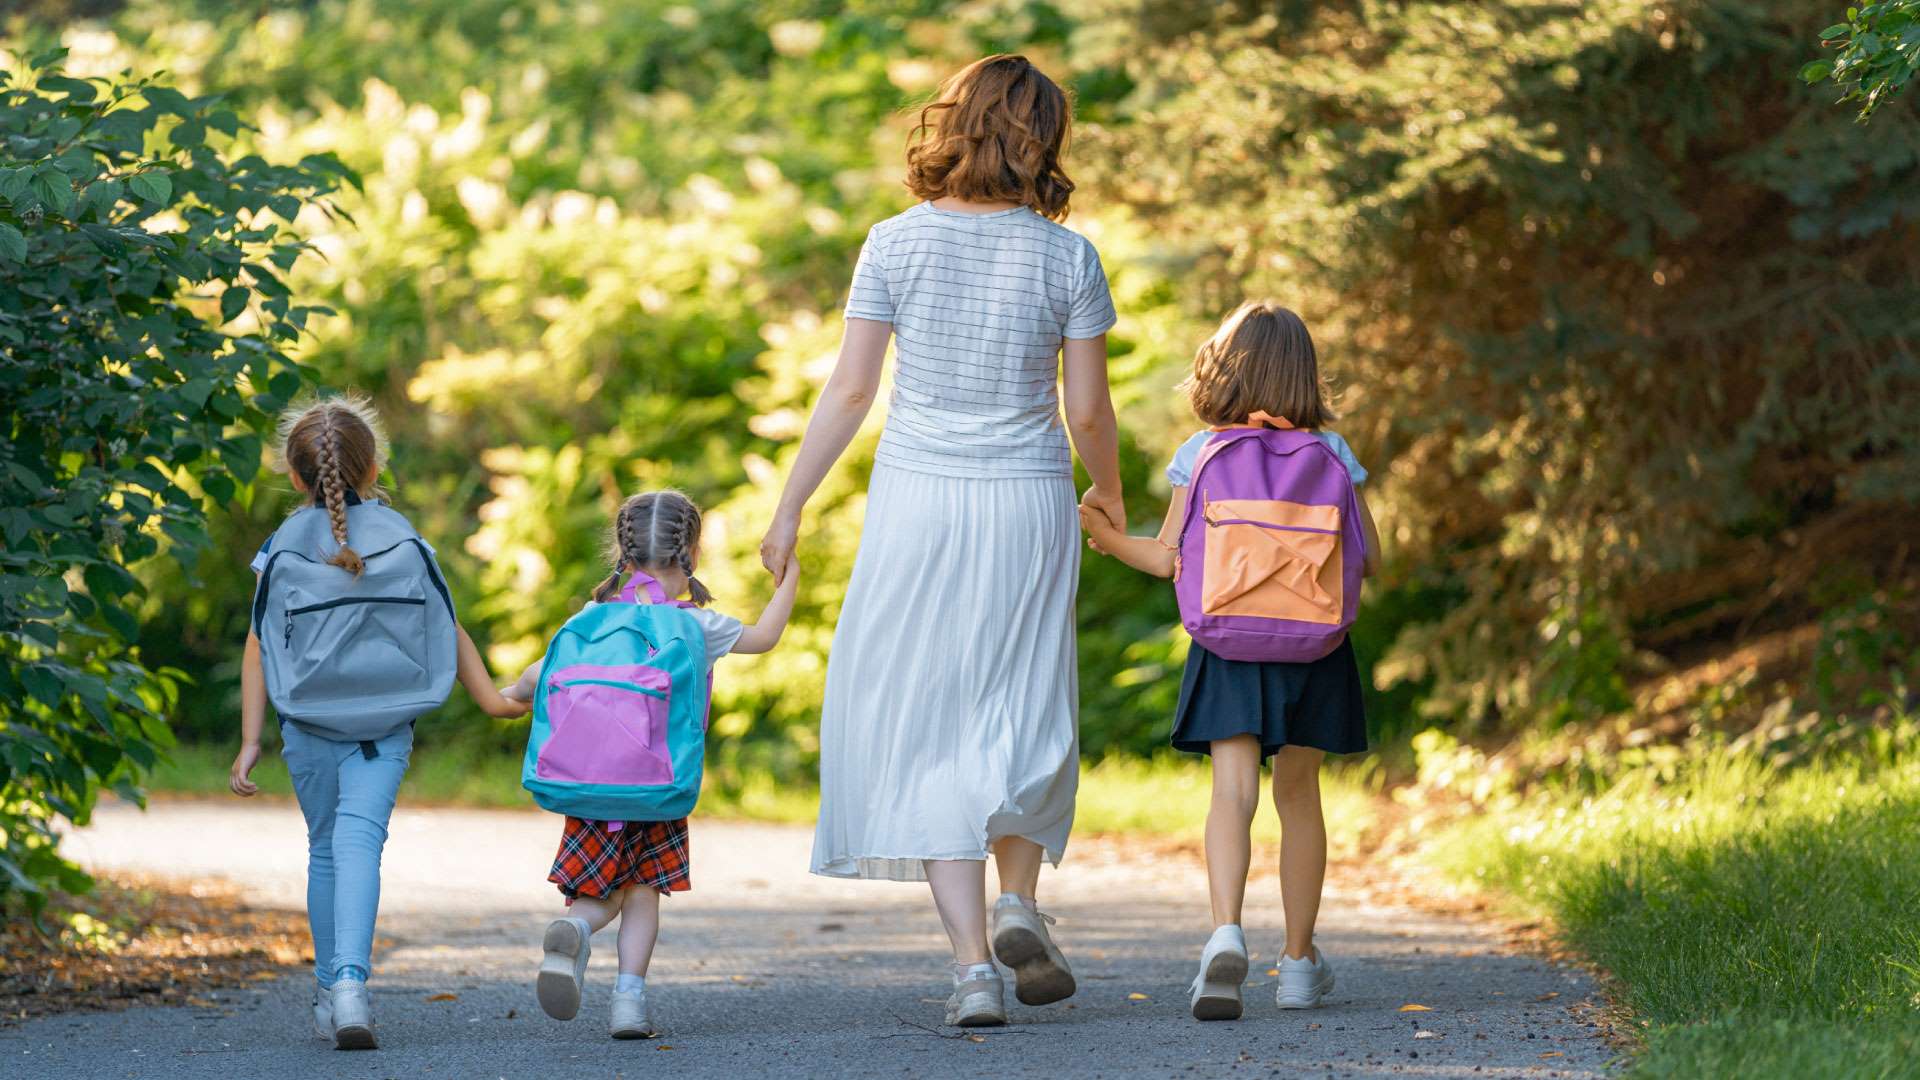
(243, 764)
(503, 707)
(1108, 503)
(1097, 527)
(777, 548)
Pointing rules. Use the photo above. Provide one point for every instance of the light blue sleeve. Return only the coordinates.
(1180, 469)
(1345, 453)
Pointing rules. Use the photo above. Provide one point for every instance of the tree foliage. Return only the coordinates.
(143, 321)
(1617, 305)
(1878, 52)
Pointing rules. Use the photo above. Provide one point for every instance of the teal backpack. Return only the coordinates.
(620, 714)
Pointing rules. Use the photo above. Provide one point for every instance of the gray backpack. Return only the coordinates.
(353, 658)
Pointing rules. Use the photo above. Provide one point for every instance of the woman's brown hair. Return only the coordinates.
(1260, 360)
(334, 445)
(994, 134)
(659, 528)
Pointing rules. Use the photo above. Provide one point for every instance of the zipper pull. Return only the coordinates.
(288, 643)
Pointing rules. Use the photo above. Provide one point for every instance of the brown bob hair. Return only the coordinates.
(1260, 360)
(994, 134)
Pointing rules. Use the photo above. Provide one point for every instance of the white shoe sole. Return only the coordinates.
(1217, 996)
(641, 1031)
(1040, 975)
(561, 970)
(354, 1037)
(1309, 1000)
(982, 1009)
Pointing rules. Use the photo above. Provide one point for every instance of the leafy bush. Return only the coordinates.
(1879, 50)
(143, 323)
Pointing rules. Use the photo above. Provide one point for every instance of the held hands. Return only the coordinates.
(1108, 504)
(777, 548)
(1100, 530)
(243, 764)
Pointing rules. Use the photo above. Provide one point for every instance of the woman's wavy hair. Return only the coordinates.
(333, 445)
(994, 133)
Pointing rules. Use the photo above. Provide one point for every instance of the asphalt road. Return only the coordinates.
(765, 970)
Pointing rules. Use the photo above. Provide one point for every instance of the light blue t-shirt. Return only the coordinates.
(1180, 469)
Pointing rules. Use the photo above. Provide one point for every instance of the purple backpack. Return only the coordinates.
(1270, 554)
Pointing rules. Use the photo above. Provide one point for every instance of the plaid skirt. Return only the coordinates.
(594, 862)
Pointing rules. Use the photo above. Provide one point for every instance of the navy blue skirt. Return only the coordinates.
(1316, 704)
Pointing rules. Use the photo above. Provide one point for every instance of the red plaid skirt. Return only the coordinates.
(596, 863)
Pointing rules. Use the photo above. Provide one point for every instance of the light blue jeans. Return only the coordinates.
(346, 798)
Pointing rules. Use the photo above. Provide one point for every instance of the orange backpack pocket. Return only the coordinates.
(1272, 559)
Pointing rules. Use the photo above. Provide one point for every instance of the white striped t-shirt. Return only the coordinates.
(979, 305)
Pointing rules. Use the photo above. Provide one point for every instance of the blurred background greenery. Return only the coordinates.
(1621, 311)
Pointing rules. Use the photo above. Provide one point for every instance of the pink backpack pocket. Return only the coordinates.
(609, 725)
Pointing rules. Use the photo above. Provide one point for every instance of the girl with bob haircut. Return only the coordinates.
(949, 732)
(1259, 367)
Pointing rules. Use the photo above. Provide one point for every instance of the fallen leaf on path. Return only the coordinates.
(1415, 1008)
(1428, 1035)
(1549, 996)
(663, 1046)
(1273, 971)
(443, 997)
(1138, 996)
(1553, 1053)
(977, 1038)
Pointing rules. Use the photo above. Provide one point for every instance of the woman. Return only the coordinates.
(949, 729)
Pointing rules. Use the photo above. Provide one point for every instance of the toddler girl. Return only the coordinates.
(609, 870)
(333, 453)
(1261, 360)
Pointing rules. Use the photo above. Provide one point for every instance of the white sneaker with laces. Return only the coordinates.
(1020, 941)
(1304, 983)
(630, 1015)
(978, 998)
(1223, 967)
(563, 968)
(352, 1015)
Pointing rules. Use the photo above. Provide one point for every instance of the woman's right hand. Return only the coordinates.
(777, 547)
(1107, 503)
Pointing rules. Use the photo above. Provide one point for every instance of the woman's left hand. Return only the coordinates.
(777, 548)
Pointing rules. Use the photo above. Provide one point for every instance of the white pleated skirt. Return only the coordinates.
(951, 716)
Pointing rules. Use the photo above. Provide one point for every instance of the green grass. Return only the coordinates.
(1165, 796)
(1759, 923)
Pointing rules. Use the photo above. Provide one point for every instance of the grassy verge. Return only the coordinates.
(1163, 797)
(1758, 922)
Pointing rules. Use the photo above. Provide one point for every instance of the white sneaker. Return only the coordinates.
(630, 1015)
(1304, 983)
(563, 970)
(322, 1012)
(1223, 967)
(978, 998)
(352, 1015)
(1021, 941)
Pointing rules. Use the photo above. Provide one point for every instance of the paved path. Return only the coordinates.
(764, 970)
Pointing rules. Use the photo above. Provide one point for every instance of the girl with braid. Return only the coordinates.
(333, 453)
(622, 872)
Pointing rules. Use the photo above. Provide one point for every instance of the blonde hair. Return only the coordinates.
(332, 445)
(659, 528)
(994, 134)
(1261, 360)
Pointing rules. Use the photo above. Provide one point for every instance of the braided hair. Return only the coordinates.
(332, 445)
(658, 528)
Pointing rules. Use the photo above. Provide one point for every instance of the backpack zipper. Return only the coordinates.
(1213, 523)
(287, 643)
(616, 684)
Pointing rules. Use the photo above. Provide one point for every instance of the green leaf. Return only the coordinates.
(153, 186)
(284, 385)
(78, 91)
(53, 188)
(232, 303)
(13, 244)
(1816, 71)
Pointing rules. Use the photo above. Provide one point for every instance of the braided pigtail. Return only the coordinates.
(333, 493)
(657, 529)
